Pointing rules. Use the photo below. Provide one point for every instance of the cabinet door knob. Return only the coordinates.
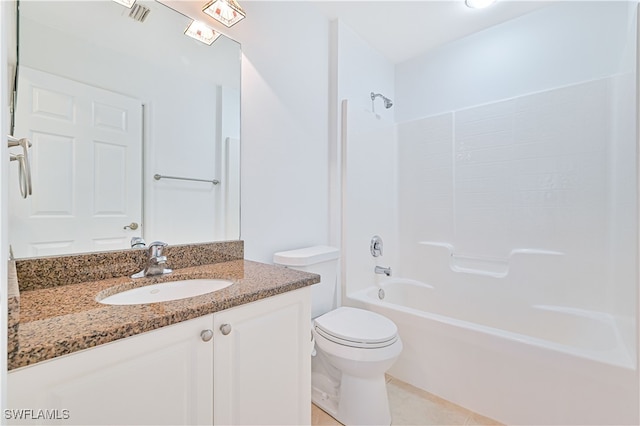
(206, 335)
(225, 329)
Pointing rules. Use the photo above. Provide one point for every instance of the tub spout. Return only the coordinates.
(382, 270)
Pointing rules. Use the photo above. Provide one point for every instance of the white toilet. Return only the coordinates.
(353, 347)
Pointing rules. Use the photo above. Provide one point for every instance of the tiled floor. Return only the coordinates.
(413, 406)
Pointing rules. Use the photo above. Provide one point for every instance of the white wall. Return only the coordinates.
(362, 70)
(285, 127)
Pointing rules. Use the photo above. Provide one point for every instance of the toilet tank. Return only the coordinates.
(321, 260)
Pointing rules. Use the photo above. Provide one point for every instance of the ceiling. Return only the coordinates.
(401, 30)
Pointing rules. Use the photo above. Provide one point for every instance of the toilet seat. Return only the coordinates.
(356, 328)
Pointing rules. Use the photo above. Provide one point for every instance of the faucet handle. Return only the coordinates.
(158, 260)
(376, 246)
(137, 242)
(156, 247)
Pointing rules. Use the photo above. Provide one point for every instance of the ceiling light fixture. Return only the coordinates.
(126, 3)
(479, 4)
(228, 12)
(201, 32)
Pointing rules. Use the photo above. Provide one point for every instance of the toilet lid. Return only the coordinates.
(356, 327)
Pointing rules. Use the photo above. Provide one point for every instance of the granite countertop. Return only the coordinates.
(59, 320)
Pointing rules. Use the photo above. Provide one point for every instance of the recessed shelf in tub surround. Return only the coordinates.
(496, 267)
(64, 317)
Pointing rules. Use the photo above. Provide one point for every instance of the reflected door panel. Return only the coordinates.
(86, 156)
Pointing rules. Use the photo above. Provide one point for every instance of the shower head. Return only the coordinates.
(388, 103)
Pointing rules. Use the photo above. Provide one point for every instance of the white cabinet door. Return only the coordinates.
(262, 367)
(163, 377)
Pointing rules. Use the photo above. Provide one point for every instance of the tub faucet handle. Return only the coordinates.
(376, 246)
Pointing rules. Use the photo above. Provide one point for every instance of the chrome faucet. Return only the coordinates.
(156, 262)
(383, 270)
(137, 242)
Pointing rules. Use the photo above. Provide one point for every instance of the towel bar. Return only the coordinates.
(213, 181)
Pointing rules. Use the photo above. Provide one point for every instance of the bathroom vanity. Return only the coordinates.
(239, 355)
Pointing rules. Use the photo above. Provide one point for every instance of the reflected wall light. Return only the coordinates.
(479, 4)
(201, 32)
(126, 3)
(228, 12)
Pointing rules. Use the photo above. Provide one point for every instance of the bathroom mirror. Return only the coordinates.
(135, 129)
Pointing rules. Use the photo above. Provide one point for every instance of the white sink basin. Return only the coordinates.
(163, 292)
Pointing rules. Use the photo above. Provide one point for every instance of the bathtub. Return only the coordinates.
(544, 365)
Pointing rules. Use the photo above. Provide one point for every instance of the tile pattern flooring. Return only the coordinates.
(413, 406)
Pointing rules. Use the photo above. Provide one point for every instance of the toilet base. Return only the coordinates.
(368, 403)
(360, 401)
(348, 382)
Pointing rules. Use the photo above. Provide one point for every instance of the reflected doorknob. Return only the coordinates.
(133, 226)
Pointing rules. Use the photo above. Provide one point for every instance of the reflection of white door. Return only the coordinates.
(86, 165)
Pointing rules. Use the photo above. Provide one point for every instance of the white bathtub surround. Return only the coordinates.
(521, 233)
(548, 365)
(529, 189)
(508, 183)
